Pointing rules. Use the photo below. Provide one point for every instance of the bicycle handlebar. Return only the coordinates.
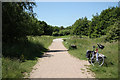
(100, 46)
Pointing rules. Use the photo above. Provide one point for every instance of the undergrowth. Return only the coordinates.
(110, 67)
(19, 57)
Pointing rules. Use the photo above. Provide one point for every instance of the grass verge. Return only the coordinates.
(67, 36)
(110, 68)
(19, 57)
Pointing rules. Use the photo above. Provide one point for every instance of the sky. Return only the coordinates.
(66, 13)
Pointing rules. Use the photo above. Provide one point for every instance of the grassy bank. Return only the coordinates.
(67, 36)
(20, 57)
(110, 68)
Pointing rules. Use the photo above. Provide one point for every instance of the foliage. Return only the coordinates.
(15, 19)
(13, 68)
(35, 27)
(101, 24)
(19, 21)
(12, 64)
(36, 45)
(55, 33)
(56, 29)
(80, 27)
(19, 24)
(19, 49)
(64, 32)
(113, 32)
(81, 48)
(49, 30)
(110, 68)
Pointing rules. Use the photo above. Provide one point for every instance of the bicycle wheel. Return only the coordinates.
(100, 61)
(89, 59)
(97, 63)
(93, 61)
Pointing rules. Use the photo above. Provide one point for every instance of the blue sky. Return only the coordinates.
(66, 13)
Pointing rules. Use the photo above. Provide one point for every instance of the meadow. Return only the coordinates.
(110, 67)
(20, 57)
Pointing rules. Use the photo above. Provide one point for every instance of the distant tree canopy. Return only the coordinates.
(113, 32)
(80, 27)
(15, 20)
(19, 21)
(102, 24)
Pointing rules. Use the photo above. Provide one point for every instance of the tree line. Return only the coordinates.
(106, 24)
(19, 21)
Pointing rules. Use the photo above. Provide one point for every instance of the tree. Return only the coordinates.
(56, 28)
(80, 27)
(113, 32)
(100, 23)
(64, 32)
(15, 19)
(61, 28)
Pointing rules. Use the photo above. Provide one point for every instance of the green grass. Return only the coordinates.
(67, 36)
(81, 44)
(110, 68)
(13, 68)
(19, 57)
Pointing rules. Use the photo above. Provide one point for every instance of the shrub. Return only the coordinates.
(113, 32)
(64, 32)
(55, 33)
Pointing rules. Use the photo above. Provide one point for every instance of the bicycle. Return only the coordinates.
(94, 57)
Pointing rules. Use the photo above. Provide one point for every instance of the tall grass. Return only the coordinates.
(67, 36)
(110, 68)
(19, 57)
(82, 46)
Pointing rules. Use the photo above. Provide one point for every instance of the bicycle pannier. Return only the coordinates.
(88, 54)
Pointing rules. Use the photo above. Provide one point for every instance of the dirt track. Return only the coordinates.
(58, 63)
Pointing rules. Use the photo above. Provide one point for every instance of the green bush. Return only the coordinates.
(11, 68)
(113, 32)
(64, 32)
(110, 68)
(20, 57)
(55, 33)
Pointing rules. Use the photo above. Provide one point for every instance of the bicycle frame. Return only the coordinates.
(95, 56)
(96, 52)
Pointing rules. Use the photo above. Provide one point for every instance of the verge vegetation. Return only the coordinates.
(23, 41)
(20, 57)
(110, 67)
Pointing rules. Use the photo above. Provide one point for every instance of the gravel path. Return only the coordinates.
(58, 63)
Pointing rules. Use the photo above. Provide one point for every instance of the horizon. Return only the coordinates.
(66, 13)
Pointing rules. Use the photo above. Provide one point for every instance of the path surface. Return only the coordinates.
(58, 63)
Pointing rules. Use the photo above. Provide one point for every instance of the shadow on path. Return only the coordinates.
(57, 50)
(50, 55)
(47, 55)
